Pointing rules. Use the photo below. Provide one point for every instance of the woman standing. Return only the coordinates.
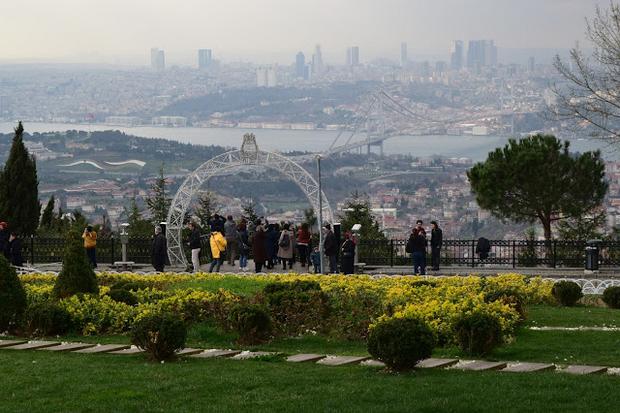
(259, 249)
(348, 254)
(303, 243)
(285, 247)
(243, 243)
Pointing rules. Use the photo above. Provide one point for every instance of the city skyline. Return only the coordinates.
(267, 31)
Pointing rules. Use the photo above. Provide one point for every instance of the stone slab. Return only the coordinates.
(102, 348)
(8, 343)
(188, 351)
(130, 350)
(583, 370)
(207, 354)
(529, 367)
(481, 365)
(247, 355)
(372, 363)
(33, 345)
(341, 360)
(434, 363)
(303, 358)
(68, 347)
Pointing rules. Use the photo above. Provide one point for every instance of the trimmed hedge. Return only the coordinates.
(567, 293)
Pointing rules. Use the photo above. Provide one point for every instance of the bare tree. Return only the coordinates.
(591, 93)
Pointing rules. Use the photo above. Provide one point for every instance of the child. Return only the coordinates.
(315, 258)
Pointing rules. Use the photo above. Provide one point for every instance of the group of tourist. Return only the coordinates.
(10, 245)
(269, 244)
(418, 243)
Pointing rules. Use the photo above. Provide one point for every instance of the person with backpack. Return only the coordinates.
(285, 247)
(217, 242)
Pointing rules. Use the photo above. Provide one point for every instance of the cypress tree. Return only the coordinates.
(76, 275)
(47, 218)
(159, 203)
(19, 188)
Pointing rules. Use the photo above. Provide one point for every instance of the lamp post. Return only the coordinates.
(124, 240)
(318, 164)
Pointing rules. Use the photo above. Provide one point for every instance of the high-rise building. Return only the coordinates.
(481, 53)
(353, 56)
(403, 54)
(266, 76)
(300, 65)
(205, 58)
(456, 57)
(531, 64)
(317, 61)
(158, 59)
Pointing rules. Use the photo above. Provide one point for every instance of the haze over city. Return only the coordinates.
(270, 31)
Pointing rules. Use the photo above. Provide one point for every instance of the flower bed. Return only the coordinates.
(355, 302)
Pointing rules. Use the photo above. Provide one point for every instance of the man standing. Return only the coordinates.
(15, 250)
(419, 227)
(330, 249)
(90, 244)
(159, 250)
(4, 239)
(231, 234)
(418, 247)
(194, 245)
(436, 242)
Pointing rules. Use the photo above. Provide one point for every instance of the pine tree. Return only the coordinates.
(19, 188)
(138, 226)
(159, 203)
(48, 214)
(357, 211)
(76, 275)
(249, 211)
(207, 207)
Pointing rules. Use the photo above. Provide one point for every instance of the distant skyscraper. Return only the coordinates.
(205, 58)
(531, 64)
(481, 53)
(403, 54)
(317, 61)
(158, 59)
(266, 76)
(456, 57)
(353, 56)
(300, 65)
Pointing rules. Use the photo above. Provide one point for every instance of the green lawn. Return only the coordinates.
(38, 381)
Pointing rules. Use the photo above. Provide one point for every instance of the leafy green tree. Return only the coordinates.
(19, 188)
(357, 211)
(76, 275)
(47, 218)
(159, 203)
(537, 178)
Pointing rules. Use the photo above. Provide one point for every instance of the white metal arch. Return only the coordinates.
(249, 155)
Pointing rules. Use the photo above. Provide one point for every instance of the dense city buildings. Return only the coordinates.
(456, 55)
(205, 58)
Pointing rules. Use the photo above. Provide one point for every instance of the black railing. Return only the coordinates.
(517, 253)
(388, 253)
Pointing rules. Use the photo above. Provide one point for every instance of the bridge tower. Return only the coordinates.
(375, 128)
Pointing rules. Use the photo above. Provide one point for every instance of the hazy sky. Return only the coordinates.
(123, 31)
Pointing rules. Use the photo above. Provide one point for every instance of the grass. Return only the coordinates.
(40, 381)
(236, 285)
(545, 315)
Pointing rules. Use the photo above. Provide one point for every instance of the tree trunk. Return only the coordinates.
(546, 222)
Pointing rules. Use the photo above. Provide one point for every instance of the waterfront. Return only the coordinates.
(474, 147)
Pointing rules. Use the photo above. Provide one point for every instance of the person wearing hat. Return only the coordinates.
(90, 244)
(159, 250)
(4, 239)
(330, 249)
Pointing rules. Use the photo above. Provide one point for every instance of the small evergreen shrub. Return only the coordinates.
(12, 296)
(567, 293)
(122, 295)
(611, 297)
(400, 342)
(510, 297)
(159, 335)
(297, 306)
(252, 323)
(477, 333)
(76, 275)
(46, 319)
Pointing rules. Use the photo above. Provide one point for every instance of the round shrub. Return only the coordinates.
(611, 297)
(122, 295)
(46, 319)
(477, 333)
(508, 296)
(252, 323)
(160, 335)
(567, 293)
(12, 296)
(400, 342)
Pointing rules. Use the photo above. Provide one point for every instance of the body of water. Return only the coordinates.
(474, 147)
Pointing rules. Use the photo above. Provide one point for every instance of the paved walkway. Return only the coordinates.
(321, 359)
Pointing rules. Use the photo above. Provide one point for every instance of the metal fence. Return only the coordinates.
(388, 253)
(510, 254)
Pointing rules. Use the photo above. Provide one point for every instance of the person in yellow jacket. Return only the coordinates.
(90, 244)
(218, 246)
